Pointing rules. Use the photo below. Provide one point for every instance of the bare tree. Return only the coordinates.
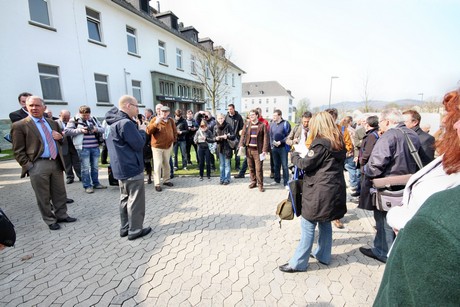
(431, 106)
(302, 106)
(211, 71)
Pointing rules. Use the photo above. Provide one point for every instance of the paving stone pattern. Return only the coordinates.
(211, 245)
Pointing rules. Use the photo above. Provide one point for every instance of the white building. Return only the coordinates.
(94, 51)
(268, 95)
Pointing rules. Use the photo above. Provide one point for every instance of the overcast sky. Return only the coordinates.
(402, 47)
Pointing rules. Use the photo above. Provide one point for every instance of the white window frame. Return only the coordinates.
(233, 79)
(179, 59)
(131, 34)
(162, 52)
(103, 83)
(43, 5)
(95, 20)
(137, 90)
(45, 78)
(193, 64)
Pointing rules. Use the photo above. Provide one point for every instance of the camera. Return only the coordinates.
(90, 128)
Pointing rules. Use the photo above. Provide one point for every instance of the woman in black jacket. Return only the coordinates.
(323, 192)
(224, 132)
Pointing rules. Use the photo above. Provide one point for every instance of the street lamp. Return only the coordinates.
(421, 94)
(330, 90)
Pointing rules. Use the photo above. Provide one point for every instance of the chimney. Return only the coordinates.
(169, 19)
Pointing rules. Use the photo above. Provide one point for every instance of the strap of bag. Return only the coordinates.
(412, 149)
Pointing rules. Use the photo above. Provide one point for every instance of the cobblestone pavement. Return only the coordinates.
(211, 245)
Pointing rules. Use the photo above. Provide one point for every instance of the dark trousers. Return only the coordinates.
(189, 144)
(256, 170)
(244, 167)
(72, 163)
(204, 157)
(280, 160)
(182, 145)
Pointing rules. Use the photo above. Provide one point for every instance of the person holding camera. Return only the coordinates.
(211, 123)
(86, 132)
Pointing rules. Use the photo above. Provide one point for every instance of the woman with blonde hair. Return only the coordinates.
(323, 191)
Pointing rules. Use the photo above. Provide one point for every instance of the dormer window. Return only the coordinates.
(261, 92)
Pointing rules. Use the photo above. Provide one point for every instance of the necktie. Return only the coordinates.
(306, 132)
(49, 140)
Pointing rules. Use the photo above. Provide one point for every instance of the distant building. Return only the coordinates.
(92, 52)
(267, 95)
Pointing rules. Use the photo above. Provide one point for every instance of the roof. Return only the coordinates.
(155, 21)
(264, 89)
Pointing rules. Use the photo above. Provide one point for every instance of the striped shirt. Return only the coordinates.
(253, 134)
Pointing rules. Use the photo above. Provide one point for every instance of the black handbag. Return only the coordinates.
(7, 233)
(295, 191)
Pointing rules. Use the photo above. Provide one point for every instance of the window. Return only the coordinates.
(252, 101)
(162, 52)
(137, 92)
(93, 20)
(179, 58)
(167, 88)
(226, 79)
(49, 80)
(233, 79)
(192, 64)
(267, 101)
(132, 42)
(39, 11)
(260, 101)
(207, 72)
(102, 88)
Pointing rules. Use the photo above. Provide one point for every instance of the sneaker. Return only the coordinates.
(272, 175)
(184, 168)
(175, 168)
(201, 178)
(100, 187)
(238, 176)
(286, 187)
(89, 190)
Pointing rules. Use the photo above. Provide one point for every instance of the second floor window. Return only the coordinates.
(38, 10)
(102, 88)
(49, 80)
(192, 64)
(132, 42)
(93, 20)
(179, 58)
(162, 51)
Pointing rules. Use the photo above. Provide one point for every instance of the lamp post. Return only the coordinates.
(330, 90)
(421, 94)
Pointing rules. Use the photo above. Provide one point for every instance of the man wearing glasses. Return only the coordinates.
(125, 143)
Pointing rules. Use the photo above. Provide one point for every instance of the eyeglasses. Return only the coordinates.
(135, 105)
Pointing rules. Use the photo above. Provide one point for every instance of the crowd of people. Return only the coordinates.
(368, 148)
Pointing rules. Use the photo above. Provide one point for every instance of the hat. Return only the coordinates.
(165, 108)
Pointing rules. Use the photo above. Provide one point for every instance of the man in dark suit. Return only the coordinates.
(71, 159)
(22, 112)
(37, 148)
(412, 121)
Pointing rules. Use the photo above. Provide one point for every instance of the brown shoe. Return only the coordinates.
(158, 188)
(252, 185)
(261, 189)
(338, 224)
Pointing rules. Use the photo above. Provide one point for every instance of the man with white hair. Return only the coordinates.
(390, 156)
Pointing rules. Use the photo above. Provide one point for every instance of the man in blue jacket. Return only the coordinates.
(125, 143)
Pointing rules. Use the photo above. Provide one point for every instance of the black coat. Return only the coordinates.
(369, 140)
(324, 190)
(181, 125)
(426, 150)
(222, 145)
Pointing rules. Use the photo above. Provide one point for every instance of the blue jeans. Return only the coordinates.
(322, 252)
(224, 168)
(280, 159)
(183, 151)
(384, 237)
(89, 160)
(353, 173)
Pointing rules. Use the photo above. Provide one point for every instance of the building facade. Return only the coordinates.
(269, 96)
(94, 51)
